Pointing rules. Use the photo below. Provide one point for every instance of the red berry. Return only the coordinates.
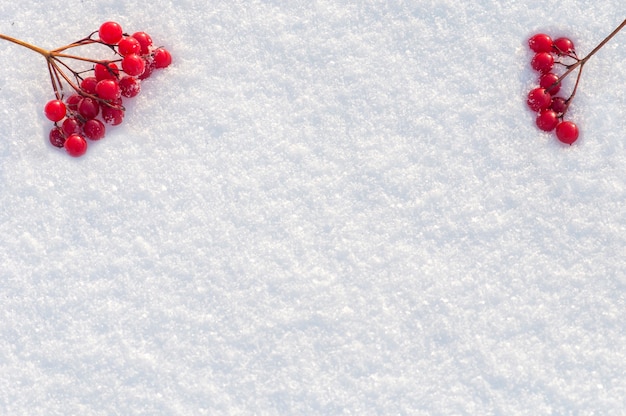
(71, 126)
(540, 43)
(88, 108)
(539, 99)
(564, 46)
(112, 115)
(547, 81)
(94, 129)
(55, 110)
(144, 40)
(57, 137)
(129, 86)
(128, 45)
(75, 145)
(567, 132)
(547, 120)
(110, 33)
(559, 105)
(108, 71)
(148, 70)
(542, 62)
(89, 85)
(72, 101)
(108, 89)
(162, 58)
(133, 65)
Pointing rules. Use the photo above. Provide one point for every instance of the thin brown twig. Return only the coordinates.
(582, 61)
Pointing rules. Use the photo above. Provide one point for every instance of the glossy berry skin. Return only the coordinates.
(88, 108)
(75, 145)
(547, 81)
(540, 43)
(162, 58)
(559, 105)
(149, 69)
(133, 65)
(88, 85)
(112, 115)
(538, 99)
(55, 110)
(542, 62)
(108, 71)
(144, 40)
(128, 45)
(110, 33)
(567, 132)
(129, 86)
(564, 46)
(108, 89)
(71, 126)
(72, 101)
(547, 120)
(57, 137)
(94, 129)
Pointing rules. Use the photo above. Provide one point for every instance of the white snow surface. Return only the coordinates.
(322, 207)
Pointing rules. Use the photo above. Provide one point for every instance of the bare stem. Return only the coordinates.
(604, 41)
(56, 66)
(37, 49)
(581, 62)
(78, 58)
(85, 41)
(571, 97)
(56, 82)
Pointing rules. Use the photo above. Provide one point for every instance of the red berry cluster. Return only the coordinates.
(543, 99)
(98, 92)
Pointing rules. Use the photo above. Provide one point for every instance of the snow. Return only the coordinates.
(322, 207)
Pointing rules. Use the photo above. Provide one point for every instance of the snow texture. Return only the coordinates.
(322, 207)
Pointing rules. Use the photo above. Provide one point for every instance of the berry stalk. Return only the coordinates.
(550, 108)
(37, 49)
(96, 93)
(581, 62)
(53, 58)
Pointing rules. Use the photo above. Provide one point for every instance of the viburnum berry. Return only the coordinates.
(88, 85)
(559, 105)
(72, 101)
(144, 40)
(106, 71)
(57, 137)
(128, 45)
(548, 80)
(133, 64)
(162, 58)
(94, 129)
(55, 110)
(75, 145)
(540, 43)
(95, 90)
(108, 89)
(542, 62)
(564, 46)
(112, 115)
(110, 33)
(567, 132)
(547, 120)
(538, 99)
(88, 108)
(129, 86)
(71, 126)
(148, 70)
